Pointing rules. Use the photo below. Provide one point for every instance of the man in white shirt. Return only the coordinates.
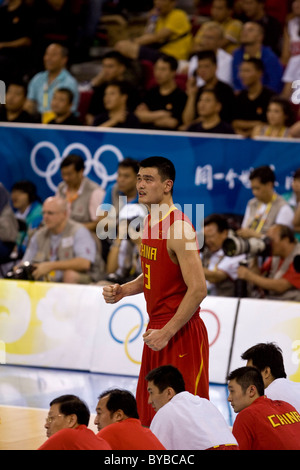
(268, 359)
(184, 421)
(266, 208)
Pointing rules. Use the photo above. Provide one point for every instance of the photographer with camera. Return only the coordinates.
(277, 278)
(266, 208)
(62, 250)
(220, 270)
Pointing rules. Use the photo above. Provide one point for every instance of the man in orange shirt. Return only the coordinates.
(67, 429)
(118, 423)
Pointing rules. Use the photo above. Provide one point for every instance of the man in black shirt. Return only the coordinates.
(61, 105)
(15, 39)
(12, 110)
(207, 69)
(251, 103)
(164, 103)
(116, 112)
(209, 109)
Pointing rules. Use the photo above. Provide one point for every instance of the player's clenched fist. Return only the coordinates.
(112, 293)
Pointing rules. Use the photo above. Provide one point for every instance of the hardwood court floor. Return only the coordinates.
(25, 394)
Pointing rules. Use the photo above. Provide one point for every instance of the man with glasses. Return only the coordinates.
(67, 426)
(63, 250)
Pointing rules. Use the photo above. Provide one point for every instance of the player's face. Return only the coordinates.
(103, 417)
(55, 420)
(151, 189)
(156, 398)
(237, 397)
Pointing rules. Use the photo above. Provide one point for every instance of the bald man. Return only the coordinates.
(62, 250)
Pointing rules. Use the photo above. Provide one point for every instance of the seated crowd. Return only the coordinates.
(226, 69)
(87, 235)
(245, 52)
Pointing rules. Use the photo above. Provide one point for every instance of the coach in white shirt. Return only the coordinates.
(184, 421)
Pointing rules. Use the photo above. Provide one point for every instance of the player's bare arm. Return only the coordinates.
(114, 293)
(183, 251)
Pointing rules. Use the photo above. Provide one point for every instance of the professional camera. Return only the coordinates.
(296, 263)
(234, 246)
(23, 272)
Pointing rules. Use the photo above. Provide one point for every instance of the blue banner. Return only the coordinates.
(210, 170)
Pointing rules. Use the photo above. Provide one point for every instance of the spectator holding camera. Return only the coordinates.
(266, 208)
(220, 270)
(277, 278)
(62, 250)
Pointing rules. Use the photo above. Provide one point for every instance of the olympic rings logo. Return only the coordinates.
(134, 332)
(91, 161)
(213, 325)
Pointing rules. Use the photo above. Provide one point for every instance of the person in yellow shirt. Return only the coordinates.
(168, 32)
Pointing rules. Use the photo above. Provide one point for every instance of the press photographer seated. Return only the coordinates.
(62, 250)
(277, 279)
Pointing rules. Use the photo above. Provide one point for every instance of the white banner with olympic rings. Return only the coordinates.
(71, 327)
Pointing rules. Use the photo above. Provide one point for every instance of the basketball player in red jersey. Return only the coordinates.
(174, 286)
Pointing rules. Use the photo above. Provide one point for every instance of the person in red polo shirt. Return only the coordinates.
(118, 423)
(262, 423)
(67, 429)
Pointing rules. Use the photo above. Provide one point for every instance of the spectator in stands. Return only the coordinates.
(42, 86)
(221, 12)
(81, 193)
(293, 199)
(15, 98)
(291, 37)
(252, 47)
(280, 117)
(268, 359)
(277, 278)
(114, 66)
(211, 39)
(54, 21)
(61, 105)
(220, 270)
(251, 103)
(116, 109)
(163, 104)
(184, 421)
(168, 32)
(67, 426)
(118, 194)
(28, 211)
(209, 107)
(118, 423)
(8, 226)
(15, 39)
(254, 10)
(261, 422)
(267, 207)
(207, 71)
(63, 250)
